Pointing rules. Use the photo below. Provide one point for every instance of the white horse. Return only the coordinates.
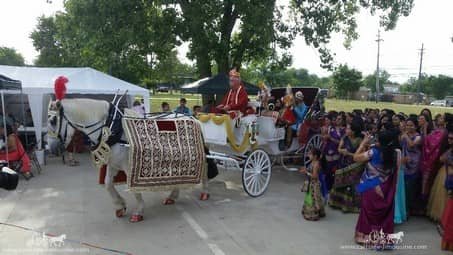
(57, 241)
(396, 238)
(90, 116)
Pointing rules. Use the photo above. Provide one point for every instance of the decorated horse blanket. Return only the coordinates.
(164, 153)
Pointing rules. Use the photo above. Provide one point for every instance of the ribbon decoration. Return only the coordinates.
(231, 138)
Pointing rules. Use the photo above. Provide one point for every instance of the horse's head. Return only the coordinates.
(59, 133)
(68, 115)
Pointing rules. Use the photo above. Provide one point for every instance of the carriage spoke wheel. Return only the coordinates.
(256, 173)
(292, 161)
(314, 142)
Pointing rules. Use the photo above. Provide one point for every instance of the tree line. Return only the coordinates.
(347, 80)
(344, 80)
(135, 40)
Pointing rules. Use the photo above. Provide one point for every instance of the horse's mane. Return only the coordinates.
(84, 110)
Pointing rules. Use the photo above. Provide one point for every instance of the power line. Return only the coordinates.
(414, 68)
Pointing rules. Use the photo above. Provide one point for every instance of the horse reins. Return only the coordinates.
(75, 126)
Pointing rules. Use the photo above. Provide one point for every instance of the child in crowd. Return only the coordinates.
(313, 208)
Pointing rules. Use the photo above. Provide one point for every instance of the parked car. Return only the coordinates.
(324, 92)
(449, 101)
(442, 102)
(162, 89)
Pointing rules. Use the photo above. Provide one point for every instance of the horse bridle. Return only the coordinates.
(60, 115)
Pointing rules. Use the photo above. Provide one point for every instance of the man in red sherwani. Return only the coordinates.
(236, 99)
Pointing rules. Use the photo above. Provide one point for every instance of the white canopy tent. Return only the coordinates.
(38, 85)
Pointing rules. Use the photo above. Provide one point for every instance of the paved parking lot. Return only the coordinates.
(67, 200)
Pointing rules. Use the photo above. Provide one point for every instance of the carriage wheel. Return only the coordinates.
(256, 173)
(292, 161)
(314, 142)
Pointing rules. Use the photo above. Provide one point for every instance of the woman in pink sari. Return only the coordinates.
(432, 149)
(377, 187)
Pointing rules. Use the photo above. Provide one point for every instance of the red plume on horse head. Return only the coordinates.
(60, 87)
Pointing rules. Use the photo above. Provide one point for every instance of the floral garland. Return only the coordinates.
(249, 137)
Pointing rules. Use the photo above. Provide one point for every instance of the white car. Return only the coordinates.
(439, 103)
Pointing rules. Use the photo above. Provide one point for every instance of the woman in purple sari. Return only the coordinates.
(334, 135)
(377, 186)
(343, 195)
(432, 149)
(411, 142)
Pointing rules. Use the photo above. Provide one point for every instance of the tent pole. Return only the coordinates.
(5, 133)
(23, 118)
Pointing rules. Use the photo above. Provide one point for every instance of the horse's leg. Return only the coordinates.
(171, 199)
(139, 211)
(204, 185)
(118, 201)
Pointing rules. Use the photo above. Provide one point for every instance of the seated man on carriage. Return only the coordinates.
(237, 98)
(300, 110)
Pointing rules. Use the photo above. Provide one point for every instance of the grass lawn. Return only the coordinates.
(331, 104)
(173, 100)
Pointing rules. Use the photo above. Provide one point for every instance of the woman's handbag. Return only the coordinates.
(305, 185)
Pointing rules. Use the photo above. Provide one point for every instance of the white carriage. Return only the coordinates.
(251, 143)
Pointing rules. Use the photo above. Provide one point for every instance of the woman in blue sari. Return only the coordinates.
(400, 196)
(377, 186)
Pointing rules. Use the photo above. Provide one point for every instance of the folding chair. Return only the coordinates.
(31, 152)
(30, 149)
(17, 164)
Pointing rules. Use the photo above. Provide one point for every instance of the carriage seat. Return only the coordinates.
(268, 130)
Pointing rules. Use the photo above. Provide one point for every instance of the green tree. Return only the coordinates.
(346, 81)
(325, 82)
(9, 56)
(442, 86)
(113, 36)
(437, 86)
(295, 77)
(410, 86)
(370, 81)
(169, 70)
(118, 36)
(45, 42)
(261, 32)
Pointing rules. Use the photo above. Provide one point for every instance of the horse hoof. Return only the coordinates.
(136, 218)
(204, 196)
(168, 201)
(120, 212)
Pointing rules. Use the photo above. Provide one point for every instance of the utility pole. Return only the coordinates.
(420, 75)
(379, 40)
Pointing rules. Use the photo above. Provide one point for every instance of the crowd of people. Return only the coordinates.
(387, 167)
(383, 165)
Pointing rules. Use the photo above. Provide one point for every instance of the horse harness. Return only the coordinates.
(113, 120)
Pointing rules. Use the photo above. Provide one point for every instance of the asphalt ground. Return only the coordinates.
(67, 200)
